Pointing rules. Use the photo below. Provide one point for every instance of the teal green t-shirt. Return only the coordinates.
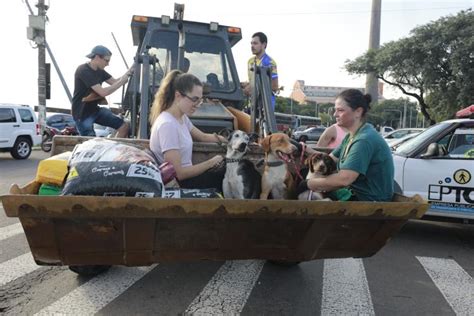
(370, 156)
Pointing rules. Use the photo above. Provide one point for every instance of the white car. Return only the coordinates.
(438, 164)
(103, 131)
(19, 130)
(399, 133)
(397, 142)
(384, 130)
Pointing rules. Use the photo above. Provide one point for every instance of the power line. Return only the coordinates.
(347, 12)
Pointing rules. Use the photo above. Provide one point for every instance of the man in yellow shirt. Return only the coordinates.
(261, 58)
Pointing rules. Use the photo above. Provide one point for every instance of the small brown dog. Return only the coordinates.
(276, 177)
(320, 165)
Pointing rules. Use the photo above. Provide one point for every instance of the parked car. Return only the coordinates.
(385, 130)
(438, 164)
(397, 142)
(311, 133)
(60, 120)
(103, 131)
(399, 133)
(19, 130)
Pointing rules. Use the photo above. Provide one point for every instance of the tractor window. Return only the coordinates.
(207, 56)
(208, 61)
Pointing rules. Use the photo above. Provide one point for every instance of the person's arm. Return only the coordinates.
(245, 88)
(328, 135)
(343, 178)
(114, 84)
(275, 84)
(174, 157)
(200, 136)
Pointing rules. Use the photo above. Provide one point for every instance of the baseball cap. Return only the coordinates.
(99, 50)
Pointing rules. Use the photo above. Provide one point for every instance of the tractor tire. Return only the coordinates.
(88, 271)
(282, 263)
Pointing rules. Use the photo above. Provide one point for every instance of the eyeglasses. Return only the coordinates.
(194, 100)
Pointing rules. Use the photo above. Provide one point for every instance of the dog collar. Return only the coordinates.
(230, 160)
(274, 163)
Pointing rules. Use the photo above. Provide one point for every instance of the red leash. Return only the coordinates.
(297, 170)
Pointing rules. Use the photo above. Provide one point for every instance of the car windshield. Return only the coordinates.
(410, 145)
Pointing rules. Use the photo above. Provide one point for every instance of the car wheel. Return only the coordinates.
(303, 139)
(21, 149)
(91, 270)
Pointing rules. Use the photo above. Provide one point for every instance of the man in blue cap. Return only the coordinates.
(89, 93)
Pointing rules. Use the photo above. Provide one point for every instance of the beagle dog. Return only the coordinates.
(320, 165)
(276, 177)
(241, 180)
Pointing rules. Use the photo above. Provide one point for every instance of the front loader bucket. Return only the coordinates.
(91, 230)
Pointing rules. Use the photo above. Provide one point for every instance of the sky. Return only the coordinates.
(310, 40)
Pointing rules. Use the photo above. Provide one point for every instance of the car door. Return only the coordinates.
(445, 180)
(8, 124)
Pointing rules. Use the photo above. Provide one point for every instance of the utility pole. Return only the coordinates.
(41, 36)
(36, 32)
(371, 84)
(405, 114)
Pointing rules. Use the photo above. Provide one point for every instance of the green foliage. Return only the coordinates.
(392, 113)
(435, 65)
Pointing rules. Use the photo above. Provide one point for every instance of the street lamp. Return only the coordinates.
(401, 114)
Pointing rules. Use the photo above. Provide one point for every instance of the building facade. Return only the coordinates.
(305, 94)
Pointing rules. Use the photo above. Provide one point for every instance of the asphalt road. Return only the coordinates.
(426, 269)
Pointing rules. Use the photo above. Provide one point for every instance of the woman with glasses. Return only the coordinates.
(172, 133)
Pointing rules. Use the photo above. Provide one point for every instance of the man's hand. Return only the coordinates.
(129, 72)
(246, 88)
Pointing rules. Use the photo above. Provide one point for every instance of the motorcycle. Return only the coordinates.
(50, 132)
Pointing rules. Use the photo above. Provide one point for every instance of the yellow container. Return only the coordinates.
(53, 170)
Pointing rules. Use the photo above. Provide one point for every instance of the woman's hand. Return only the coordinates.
(215, 161)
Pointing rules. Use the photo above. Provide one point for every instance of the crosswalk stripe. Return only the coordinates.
(16, 268)
(455, 284)
(345, 288)
(10, 231)
(228, 290)
(95, 294)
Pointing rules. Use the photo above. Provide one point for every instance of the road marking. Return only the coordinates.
(455, 284)
(345, 288)
(10, 231)
(17, 267)
(93, 295)
(228, 290)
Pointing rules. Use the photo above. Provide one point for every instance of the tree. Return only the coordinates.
(435, 65)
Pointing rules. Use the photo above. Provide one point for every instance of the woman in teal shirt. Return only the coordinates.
(364, 160)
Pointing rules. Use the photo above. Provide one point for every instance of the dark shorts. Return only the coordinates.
(103, 117)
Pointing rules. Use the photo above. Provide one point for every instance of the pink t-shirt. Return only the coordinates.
(168, 133)
(340, 134)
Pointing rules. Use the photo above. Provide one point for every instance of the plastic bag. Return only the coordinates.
(104, 167)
